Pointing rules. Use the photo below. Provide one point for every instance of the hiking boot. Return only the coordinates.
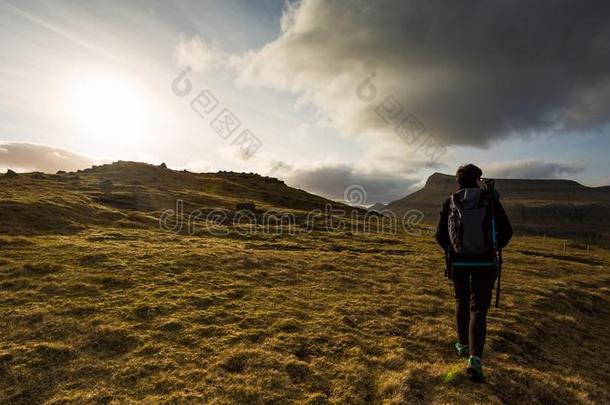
(475, 369)
(462, 350)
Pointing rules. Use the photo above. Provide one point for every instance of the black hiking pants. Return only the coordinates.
(473, 291)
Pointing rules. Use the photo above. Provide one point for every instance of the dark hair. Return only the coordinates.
(467, 176)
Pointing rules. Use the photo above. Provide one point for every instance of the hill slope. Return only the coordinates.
(554, 207)
(130, 194)
(98, 305)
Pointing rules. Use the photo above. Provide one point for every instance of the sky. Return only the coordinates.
(325, 95)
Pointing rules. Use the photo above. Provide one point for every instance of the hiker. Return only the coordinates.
(473, 251)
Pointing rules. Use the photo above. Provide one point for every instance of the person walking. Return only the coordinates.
(472, 229)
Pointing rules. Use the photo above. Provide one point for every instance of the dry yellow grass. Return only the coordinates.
(97, 305)
(121, 316)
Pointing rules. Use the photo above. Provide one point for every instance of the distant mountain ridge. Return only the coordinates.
(377, 207)
(131, 194)
(555, 207)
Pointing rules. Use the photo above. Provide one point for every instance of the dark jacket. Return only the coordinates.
(504, 230)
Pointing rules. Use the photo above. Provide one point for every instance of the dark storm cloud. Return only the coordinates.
(471, 71)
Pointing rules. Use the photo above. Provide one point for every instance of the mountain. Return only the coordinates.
(377, 207)
(132, 194)
(562, 208)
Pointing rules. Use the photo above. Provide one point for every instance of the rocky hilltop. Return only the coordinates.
(134, 195)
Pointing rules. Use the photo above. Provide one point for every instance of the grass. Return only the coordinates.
(113, 315)
(97, 305)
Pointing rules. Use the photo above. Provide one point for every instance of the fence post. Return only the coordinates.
(587, 248)
(543, 240)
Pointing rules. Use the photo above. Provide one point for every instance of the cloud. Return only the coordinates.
(601, 182)
(328, 178)
(393, 157)
(332, 181)
(197, 166)
(198, 54)
(470, 72)
(533, 169)
(25, 157)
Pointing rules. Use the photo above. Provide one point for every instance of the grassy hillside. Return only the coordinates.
(133, 195)
(97, 305)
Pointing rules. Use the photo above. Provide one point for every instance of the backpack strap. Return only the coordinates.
(453, 204)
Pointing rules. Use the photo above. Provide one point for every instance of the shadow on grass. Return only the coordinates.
(568, 325)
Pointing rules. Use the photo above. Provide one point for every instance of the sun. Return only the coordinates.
(110, 109)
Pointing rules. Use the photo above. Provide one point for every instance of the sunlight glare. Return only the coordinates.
(109, 109)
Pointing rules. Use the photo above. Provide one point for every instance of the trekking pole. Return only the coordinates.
(499, 259)
(497, 251)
